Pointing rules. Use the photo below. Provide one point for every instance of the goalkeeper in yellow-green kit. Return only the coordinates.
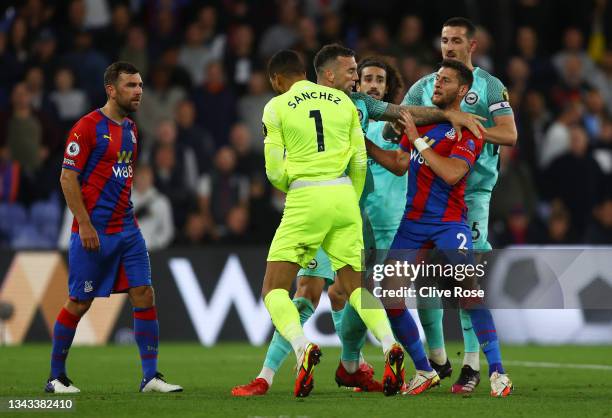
(313, 138)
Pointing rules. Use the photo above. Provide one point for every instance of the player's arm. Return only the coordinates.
(504, 132)
(358, 164)
(76, 155)
(274, 149)
(449, 169)
(396, 161)
(74, 199)
(426, 115)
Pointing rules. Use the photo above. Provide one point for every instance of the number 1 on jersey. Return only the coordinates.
(316, 114)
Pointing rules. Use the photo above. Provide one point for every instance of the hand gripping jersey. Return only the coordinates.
(488, 98)
(429, 198)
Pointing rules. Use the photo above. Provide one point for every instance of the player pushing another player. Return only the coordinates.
(107, 252)
(321, 210)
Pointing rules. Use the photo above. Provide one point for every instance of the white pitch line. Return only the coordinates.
(546, 365)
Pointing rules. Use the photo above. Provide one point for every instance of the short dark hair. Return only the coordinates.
(465, 74)
(330, 52)
(111, 75)
(286, 62)
(470, 28)
(395, 84)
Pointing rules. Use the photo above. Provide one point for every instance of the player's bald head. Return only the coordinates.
(328, 55)
(286, 63)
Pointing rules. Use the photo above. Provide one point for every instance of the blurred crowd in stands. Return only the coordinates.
(201, 176)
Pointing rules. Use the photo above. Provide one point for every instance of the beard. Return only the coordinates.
(127, 106)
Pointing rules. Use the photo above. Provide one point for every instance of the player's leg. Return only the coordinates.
(352, 371)
(344, 244)
(406, 246)
(431, 314)
(482, 320)
(303, 227)
(63, 335)
(310, 284)
(88, 275)
(134, 275)
(351, 330)
(306, 299)
(478, 220)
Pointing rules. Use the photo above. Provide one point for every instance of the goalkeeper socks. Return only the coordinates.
(354, 332)
(286, 319)
(279, 347)
(407, 333)
(63, 334)
(373, 316)
(146, 334)
(431, 320)
(470, 341)
(482, 320)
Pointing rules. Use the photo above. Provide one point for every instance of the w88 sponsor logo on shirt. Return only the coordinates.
(123, 168)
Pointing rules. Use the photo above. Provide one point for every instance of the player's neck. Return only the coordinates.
(113, 113)
(290, 81)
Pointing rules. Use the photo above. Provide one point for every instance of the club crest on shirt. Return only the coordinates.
(471, 98)
(133, 137)
(313, 264)
(73, 149)
(451, 134)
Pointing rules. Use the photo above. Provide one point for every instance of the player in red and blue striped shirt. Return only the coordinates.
(107, 252)
(439, 161)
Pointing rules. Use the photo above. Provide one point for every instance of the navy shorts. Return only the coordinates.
(453, 239)
(121, 263)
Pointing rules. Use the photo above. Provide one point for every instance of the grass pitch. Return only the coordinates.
(549, 381)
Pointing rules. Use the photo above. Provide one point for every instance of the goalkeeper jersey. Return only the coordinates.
(319, 129)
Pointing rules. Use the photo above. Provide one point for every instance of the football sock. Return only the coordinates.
(146, 334)
(470, 341)
(472, 360)
(407, 333)
(482, 320)
(63, 334)
(351, 366)
(354, 332)
(337, 318)
(267, 373)
(438, 355)
(279, 347)
(286, 319)
(431, 320)
(373, 316)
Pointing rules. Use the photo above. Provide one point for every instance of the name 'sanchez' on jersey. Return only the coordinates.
(313, 95)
